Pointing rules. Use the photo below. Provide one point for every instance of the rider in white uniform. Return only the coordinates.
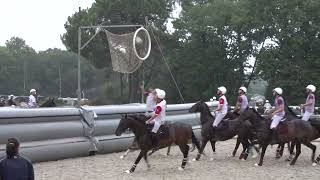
(310, 102)
(32, 102)
(222, 109)
(278, 112)
(158, 118)
(242, 101)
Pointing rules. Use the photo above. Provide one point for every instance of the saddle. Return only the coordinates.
(282, 128)
(163, 131)
(223, 124)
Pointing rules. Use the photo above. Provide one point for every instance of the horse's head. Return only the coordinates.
(197, 107)
(123, 125)
(250, 114)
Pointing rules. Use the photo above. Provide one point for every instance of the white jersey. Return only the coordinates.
(32, 101)
(223, 104)
(160, 110)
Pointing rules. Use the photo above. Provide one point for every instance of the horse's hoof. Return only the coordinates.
(180, 169)
(127, 171)
(314, 164)
(256, 164)
(121, 157)
(211, 159)
(243, 159)
(194, 159)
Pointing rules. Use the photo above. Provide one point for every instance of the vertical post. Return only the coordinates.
(60, 80)
(79, 66)
(24, 76)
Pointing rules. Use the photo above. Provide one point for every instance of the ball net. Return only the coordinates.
(128, 51)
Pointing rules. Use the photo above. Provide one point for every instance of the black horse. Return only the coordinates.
(295, 130)
(177, 132)
(228, 129)
(49, 103)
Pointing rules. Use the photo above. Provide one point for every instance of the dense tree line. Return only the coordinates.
(215, 42)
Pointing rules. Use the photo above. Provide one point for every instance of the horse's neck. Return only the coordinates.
(138, 128)
(205, 115)
(260, 122)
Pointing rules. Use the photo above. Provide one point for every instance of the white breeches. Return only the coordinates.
(275, 121)
(306, 116)
(156, 126)
(218, 119)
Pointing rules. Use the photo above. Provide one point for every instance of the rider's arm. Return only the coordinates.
(221, 102)
(156, 114)
(238, 104)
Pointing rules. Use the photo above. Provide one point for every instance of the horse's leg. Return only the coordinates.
(313, 148)
(298, 151)
(168, 150)
(141, 154)
(203, 145)
(213, 146)
(316, 161)
(185, 150)
(246, 149)
(236, 148)
(126, 153)
(279, 151)
(264, 148)
(145, 156)
(291, 149)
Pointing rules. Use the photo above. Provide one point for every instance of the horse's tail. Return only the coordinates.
(195, 141)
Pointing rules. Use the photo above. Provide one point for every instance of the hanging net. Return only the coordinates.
(128, 51)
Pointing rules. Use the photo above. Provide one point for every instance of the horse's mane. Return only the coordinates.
(137, 118)
(207, 108)
(291, 111)
(257, 113)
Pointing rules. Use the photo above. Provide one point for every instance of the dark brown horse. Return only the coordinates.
(295, 130)
(229, 129)
(177, 132)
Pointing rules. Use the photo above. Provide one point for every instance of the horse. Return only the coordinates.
(49, 103)
(230, 129)
(298, 131)
(176, 132)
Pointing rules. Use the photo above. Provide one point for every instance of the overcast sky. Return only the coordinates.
(39, 22)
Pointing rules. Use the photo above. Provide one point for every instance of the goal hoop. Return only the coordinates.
(134, 41)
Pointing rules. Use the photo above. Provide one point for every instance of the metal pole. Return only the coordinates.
(24, 76)
(59, 80)
(79, 66)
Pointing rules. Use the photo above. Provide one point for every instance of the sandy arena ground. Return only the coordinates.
(222, 166)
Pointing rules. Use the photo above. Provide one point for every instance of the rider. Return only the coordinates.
(11, 101)
(158, 118)
(310, 102)
(278, 112)
(267, 106)
(222, 109)
(32, 102)
(242, 101)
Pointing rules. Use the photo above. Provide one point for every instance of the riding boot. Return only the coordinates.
(155, 141)
(274, 136)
